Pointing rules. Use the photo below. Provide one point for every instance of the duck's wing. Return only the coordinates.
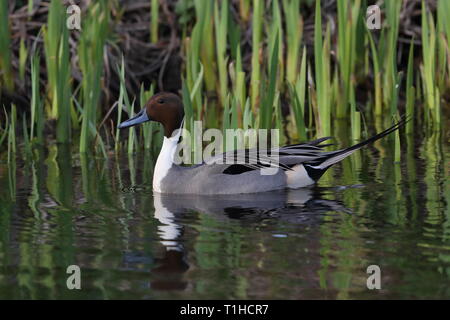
(310, 154)
(239, 161)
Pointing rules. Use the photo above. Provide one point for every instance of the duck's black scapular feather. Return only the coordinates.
(311, 154)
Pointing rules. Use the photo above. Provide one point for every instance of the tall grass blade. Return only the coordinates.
(428, 69)
(268, 99)
(258, 11)
(37, 112)
(322, 68)
(5, 50)
(56, 46)
(221, 27)
(294, 32)
(154, 11)
(348, 13)
(90, 51)
(12, 142)
(410, 90)
(23, 55)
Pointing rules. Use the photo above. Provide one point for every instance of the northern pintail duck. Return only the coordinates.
(300, 165)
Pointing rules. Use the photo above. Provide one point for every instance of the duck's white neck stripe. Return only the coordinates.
(165, 160)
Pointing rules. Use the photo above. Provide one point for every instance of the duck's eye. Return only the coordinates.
(161, 101)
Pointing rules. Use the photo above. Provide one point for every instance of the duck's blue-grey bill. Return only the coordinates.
(141, 117)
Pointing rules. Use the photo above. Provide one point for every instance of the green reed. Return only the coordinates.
(428, 67)
(244, 9)
(5, 49)
(154, 22)
(297, 95)
(355, 117)
(348, 16)
(410, 90)
(4, 130)
(258, 12)
(322, 76)
(197, 55)
(294, 29)
(132, 139)
(377, 76)
(90, 52)
(238, 79)
(12, 139)
(12, 148)
(122, 92)
(205, 43)
(23, 55)
(37, 112)
(227, 79)
(388, 50)
(27, 144)
(221, 28)
(275, 38)
(148, 128)
(124, 103)
(443, 42)
(188, 108)
(268, 97)
(56, 45)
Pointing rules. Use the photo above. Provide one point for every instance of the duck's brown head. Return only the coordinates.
(165, 108)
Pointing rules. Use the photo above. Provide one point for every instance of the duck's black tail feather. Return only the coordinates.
(315, 170)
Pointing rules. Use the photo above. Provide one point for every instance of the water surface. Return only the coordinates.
(59, 209)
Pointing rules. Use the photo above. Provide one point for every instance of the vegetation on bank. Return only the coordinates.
(289, 64)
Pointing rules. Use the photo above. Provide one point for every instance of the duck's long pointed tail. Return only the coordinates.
(317, 169)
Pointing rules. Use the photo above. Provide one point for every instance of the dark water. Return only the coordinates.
(61, 209)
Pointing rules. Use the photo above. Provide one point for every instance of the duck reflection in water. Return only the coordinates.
(303, 206)
(171, 267)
